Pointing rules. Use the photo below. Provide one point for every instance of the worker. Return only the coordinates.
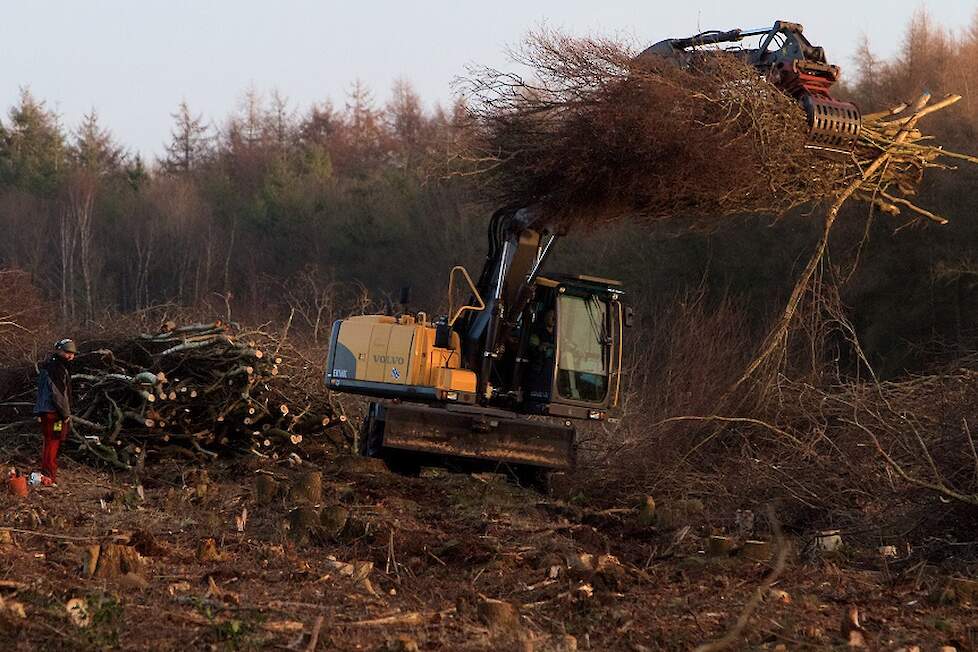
(542, 341)
(53, 405)
(541, 351)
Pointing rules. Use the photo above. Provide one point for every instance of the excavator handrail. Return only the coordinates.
(475, 293)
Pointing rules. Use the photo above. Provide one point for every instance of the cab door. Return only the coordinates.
(588, 354)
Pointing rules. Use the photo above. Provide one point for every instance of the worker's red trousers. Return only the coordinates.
(52, 442)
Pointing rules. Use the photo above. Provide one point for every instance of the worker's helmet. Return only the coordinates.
(66, 345)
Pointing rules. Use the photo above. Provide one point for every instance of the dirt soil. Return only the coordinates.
(442, 562)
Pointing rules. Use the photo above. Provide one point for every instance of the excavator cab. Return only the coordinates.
(571, 348)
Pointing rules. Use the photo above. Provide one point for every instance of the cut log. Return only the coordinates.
(202, 386)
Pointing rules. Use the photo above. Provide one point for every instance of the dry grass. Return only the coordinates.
(23, 316)
(888, 463)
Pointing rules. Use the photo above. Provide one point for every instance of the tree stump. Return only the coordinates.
(403, 643)
(333, 519)
(266, 489)
(646, 512)
(719, 546)
(757, 550)
(828, 540)
(201, 481)
(114, 560)
(964, 589)
(207, 551)
(356, 464)
(302, 522)
(497, 614)
(133, 582)
(90, 560)
(308, 487)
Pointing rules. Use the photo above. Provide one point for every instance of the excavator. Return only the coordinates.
(500, 380)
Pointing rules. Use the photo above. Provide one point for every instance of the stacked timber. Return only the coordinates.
(194, 391)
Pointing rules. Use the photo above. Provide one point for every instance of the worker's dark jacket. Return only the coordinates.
(54, 388)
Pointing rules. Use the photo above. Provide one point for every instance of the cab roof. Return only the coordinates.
(580, 280)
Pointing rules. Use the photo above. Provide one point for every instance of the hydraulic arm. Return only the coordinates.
(791, 63)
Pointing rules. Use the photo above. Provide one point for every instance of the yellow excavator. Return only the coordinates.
(500, 380)
(464, 385)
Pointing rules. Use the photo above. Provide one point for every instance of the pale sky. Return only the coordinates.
(134, 60)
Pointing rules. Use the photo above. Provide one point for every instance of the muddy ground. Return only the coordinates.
(442, 562)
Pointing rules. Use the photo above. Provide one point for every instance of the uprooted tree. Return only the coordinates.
(599, 136)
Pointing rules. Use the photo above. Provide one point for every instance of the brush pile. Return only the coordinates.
(601, 135)
(194, 391)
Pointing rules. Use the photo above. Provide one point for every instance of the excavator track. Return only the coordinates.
(469, 433)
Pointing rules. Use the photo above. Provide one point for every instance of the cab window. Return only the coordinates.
(582, 364)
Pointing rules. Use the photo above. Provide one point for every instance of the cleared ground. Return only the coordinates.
(442, 549)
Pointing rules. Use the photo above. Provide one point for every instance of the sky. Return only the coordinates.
(134, 60)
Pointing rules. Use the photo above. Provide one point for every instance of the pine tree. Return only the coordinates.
(408, 124)
(32, 147)
(189, 141)
(94, 149)
(364, 129)
(280, 123)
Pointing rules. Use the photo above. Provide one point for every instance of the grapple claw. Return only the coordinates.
(832, 125)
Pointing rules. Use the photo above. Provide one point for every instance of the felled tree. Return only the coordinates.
(600, 134)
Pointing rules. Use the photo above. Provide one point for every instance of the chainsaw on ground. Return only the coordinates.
(787, 59)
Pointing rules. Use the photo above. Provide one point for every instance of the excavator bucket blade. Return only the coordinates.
(477, 435)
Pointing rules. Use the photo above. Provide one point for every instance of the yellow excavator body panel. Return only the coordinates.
(396, 357)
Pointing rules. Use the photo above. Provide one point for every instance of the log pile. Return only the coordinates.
(195, 391)
(597, 135)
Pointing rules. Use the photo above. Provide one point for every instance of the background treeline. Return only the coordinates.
(334, 208)
(268, 203)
